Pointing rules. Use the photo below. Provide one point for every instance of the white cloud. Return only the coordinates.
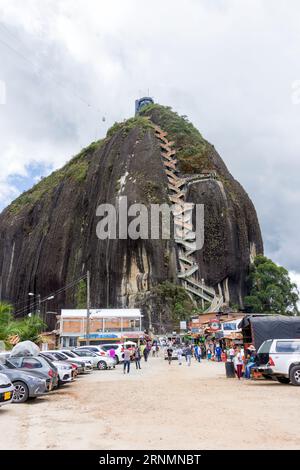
(229, 65)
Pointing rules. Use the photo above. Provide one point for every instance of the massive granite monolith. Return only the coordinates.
(48, 235)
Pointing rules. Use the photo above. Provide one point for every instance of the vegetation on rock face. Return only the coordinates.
(126, 126)
(192, 149)
(174, 298)
(81, 294)
(271, 289)
(28, 328)
(76, 170)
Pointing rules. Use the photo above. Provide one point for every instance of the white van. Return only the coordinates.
(280, 358)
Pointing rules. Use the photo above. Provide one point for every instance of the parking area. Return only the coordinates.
(160, 406)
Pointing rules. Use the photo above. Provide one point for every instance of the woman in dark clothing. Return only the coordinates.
(137, 358)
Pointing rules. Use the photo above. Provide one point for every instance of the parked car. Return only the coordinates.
(101, 362)
(94, 348)
(64, 369)
(119, 350)
(83, 366)
(38, 366)
(25, 385)
(6, 390)
(280, 358)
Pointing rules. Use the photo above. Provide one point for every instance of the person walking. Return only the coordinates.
(188, 354)
(179, 355)
(231, 354)
(169, 354)
(127, 355)
(137, 358)
(239, 362)
(112, 353)
(153, 350)
(145, 354)
(218, 352)
(208, 354)
(157, 349)
(198, 352)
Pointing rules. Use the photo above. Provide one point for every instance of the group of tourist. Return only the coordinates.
(243, 361)
(135, 354)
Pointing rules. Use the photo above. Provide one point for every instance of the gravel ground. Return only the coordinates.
(158, 407)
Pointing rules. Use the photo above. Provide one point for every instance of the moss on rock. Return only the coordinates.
(76, 169)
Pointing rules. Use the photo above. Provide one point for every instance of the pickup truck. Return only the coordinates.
(280, 358)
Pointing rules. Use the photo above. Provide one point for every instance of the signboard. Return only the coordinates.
(102, 335)
(183, 325)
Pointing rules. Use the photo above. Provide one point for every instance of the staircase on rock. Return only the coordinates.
(184, 235)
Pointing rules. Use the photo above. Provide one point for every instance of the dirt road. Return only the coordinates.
(159, 407)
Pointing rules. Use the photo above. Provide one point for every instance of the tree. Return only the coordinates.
(271, 289)
(81, 294)
(5, 319)
(28, 328)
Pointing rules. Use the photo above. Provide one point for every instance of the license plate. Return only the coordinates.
(7, 396)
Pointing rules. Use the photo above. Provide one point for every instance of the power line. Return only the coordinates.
(50, 77)
(35, 304)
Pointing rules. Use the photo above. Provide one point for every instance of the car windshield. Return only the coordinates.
(6, 363)
(49, 356)
(84, 353)
(60, 356)
(69, 353)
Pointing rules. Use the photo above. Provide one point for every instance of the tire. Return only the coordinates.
(283, 380)
(117, 360)
(295, 375)
(21, 393)
(102, 365)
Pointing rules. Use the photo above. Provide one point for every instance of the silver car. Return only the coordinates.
(25, 385)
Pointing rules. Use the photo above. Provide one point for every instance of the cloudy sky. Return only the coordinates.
(232, 66)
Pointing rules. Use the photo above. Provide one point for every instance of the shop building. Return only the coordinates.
(106, 325)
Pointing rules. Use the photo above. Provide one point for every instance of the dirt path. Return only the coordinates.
(159, 407)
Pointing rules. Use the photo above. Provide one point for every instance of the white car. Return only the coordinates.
(65, 370)
(93, 348)
(280, 358)
(6, 390)
(119, 350)
(83, 366)
(99, 361)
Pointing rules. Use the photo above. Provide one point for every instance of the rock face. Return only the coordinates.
(48, 235)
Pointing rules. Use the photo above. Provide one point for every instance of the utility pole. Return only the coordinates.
(88, 306)
(40, 302)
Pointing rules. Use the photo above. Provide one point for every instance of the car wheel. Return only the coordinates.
(102, 365)
(21, 392)
(295, 375)
(117, 360)
(283, 380)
